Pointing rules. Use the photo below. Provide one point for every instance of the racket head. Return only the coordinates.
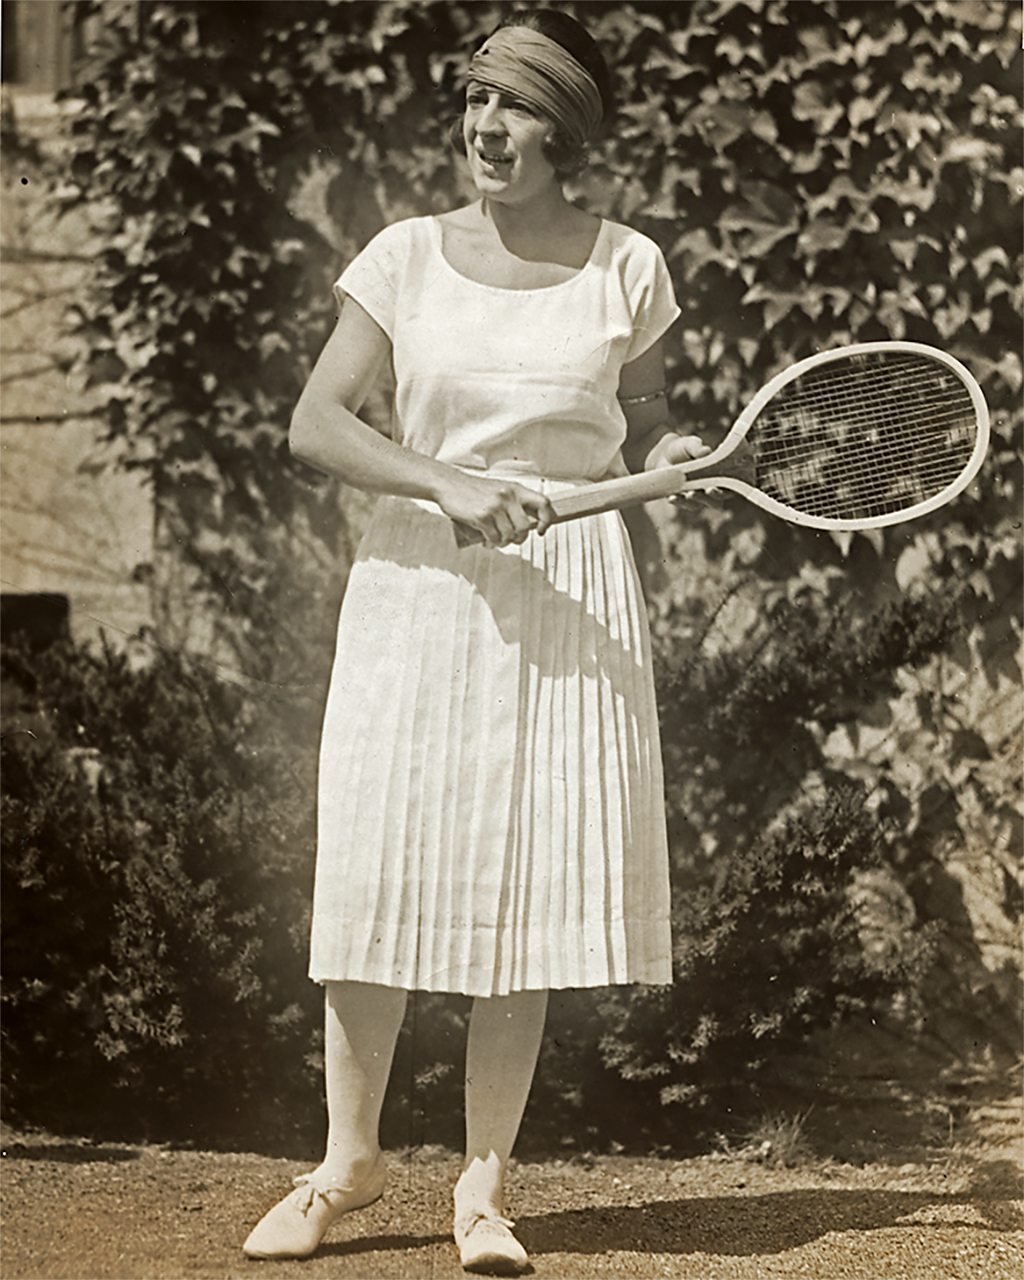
(861, 436)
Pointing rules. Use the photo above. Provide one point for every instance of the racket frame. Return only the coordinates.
(681, 478)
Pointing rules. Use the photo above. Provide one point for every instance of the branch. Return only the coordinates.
(55, 366)
(41, 419)
(33, 255)
(36, 300)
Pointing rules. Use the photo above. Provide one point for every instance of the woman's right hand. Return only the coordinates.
(500, 511)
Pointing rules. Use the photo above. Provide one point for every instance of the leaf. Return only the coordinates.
(822, 236)
(767, 213)
(722, 123)
(911, 126)
(811, 102)
(950, 319)
(763, 125)
(839, 188)
(969, 744)
(730, 48)
(697, 251)
(863, 109)
(975, 150)
(777, 306)
(877, 714)
(988, 259)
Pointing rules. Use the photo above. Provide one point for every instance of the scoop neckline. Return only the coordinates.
(438, 239)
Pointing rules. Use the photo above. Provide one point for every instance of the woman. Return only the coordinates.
(491, 817)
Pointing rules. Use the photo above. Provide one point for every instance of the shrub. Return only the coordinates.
(154, 902)
(769, 847)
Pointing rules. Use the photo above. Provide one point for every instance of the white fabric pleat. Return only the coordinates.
(490, 805)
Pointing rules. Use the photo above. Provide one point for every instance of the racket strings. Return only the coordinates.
(865, 436)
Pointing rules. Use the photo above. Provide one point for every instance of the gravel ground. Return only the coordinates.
(81, 1212)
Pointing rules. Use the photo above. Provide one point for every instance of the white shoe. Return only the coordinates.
(486, 1244)
(296, 1225)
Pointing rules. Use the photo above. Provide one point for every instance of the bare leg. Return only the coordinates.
(501, 1056)
(361, 1028)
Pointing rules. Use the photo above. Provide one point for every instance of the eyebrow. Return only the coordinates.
(477, 86)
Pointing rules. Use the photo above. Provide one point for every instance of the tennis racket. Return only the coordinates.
(854, 438)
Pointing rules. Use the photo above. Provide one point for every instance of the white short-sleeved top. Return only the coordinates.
(512, 380)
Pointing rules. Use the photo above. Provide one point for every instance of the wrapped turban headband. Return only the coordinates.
(537, 70)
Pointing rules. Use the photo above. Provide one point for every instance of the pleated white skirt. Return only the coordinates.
(491, 814)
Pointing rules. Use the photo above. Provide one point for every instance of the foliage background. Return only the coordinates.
(845, 825)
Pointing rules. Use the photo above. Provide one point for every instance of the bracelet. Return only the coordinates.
(644, 399)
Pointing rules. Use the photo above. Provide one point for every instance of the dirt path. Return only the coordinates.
(82, 1212)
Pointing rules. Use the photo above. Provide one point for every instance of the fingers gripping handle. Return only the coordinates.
(625, 491)
(466, 536)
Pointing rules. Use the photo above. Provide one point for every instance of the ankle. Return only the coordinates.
(348, 1169)
(480, 1190)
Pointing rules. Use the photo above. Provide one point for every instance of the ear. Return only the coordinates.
(564, 156)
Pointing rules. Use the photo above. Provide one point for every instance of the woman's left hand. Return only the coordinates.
(673, 449)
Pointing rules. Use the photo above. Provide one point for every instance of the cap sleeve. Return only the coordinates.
(652, 298)
(374, 276)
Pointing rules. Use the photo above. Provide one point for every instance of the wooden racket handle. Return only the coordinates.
(628, 491)
(624, 491)
(648, 486)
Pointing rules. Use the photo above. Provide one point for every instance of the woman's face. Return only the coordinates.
(505, 145)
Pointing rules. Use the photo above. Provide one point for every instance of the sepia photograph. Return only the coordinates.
(513, 736)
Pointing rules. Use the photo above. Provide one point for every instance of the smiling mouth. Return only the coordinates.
(494, 159)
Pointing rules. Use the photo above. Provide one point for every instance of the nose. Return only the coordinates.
(488, 118)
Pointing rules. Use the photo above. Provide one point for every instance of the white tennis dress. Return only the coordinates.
(491, 816)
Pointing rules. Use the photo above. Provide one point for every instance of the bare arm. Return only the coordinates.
(326, 433)
(651, 441)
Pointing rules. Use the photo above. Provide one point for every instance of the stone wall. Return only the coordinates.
(72, 524)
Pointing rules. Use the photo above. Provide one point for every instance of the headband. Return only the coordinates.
(545, 76)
